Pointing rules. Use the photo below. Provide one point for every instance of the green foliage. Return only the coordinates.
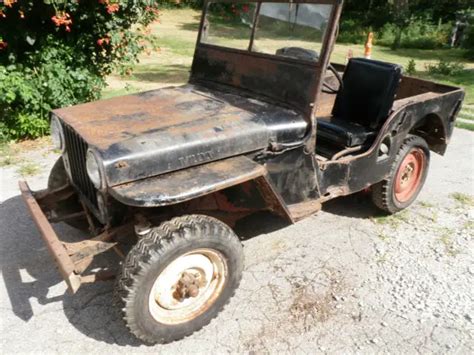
(468, 42)
(411, 67)
(56, 53)
(445, 68)
(419, 33)
(352, 31)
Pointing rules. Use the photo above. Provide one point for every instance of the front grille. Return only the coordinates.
(76, 149)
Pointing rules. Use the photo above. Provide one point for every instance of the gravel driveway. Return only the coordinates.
(342, 281)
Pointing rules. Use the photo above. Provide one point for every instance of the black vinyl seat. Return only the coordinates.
(363, 104)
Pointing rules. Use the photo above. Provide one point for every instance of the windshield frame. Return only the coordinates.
(249, 51)
(216, 65)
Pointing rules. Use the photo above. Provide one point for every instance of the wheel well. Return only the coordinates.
(433, 131)
(227, 205)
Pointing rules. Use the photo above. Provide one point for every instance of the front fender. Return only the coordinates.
(187, 184)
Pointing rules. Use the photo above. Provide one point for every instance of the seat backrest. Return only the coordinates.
(368, 92)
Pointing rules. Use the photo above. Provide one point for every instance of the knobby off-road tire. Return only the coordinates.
(154, 299)
(406, 179)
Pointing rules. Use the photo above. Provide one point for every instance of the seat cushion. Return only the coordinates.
(368, 92)
(343, 133)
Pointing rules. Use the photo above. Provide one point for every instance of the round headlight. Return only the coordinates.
(57, 133)
(93, 169)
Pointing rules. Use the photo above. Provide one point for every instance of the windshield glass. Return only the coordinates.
(294, 30)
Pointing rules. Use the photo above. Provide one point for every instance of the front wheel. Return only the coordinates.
(406, 178)
(178, 277)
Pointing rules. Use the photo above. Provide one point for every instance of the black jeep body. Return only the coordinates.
(250, 131)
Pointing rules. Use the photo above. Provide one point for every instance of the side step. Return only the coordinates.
(301, 210)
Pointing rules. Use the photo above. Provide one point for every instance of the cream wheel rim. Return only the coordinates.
(188, 286)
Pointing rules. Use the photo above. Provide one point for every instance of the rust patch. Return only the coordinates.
(121, 164)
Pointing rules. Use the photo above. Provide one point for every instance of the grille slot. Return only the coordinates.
(76, 150)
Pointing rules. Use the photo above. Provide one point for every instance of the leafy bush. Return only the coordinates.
(57, 53)
(420, 34)
(445, 68)
(352, 31)
(468, 42)
(411, 67)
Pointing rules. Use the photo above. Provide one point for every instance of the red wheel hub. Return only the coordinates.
(409, 175)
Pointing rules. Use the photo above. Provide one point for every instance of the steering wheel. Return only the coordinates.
(328, 89)
(308, 54)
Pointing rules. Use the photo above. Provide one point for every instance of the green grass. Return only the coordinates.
(463, 199)
(446, 238)
(467, 113)
(28, 169)
(426, 204)
(393, 220)
(9, 155)
(465, 125)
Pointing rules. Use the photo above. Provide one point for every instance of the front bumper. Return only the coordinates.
(65, 264)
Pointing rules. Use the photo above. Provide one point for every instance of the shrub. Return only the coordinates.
(420, 34)
(468, 42)
(445, 68)
(352, 31)
(411, 67)
(57, 53)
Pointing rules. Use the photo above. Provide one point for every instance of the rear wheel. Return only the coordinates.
(178, 277)
(406, 179)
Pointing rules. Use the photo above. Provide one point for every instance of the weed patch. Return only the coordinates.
(463, 199)
(28, 169)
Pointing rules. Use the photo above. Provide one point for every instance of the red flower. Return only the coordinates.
(245, 8)
(155, 11)
(62, 19)
(9, 3)
(3, 45)
(112, 8)
(101, 41)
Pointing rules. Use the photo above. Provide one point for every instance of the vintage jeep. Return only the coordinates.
(265, 123)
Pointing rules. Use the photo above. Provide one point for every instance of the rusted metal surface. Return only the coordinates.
(241, 102)
(49, 198)
(104, 275)
(304, 209)
(56, 248)
(240, 137)
(72, 258)
(87, 248)
(273, 199)
(159, 131)
(428, 115)
(279, 79)
(189, 183)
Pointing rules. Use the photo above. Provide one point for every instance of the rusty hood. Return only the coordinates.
(143, 135)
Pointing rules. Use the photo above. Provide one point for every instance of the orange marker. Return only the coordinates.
(368, 46)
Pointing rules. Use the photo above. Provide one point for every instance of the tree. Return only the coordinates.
(401, 18)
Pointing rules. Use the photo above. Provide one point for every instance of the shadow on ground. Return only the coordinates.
(91, 310)
(358, 205)
(23, 256)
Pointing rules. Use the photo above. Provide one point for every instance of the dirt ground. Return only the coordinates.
(343, 281)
